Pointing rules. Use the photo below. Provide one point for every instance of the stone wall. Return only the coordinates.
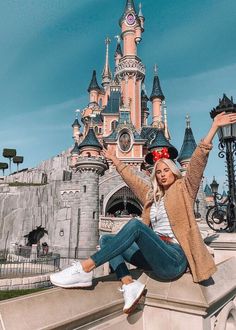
(53, 206)
(49, 170)
(22, 283)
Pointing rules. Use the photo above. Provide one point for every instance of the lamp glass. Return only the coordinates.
(234, 130)
(226, 132)
(220, 134)
(214, 187)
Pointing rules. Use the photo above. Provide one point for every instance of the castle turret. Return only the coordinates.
(94, 88)
(90, 145)
(90, 166)
(156, 98)
(106, 75)
(118, 52)
(157, 142)
(76, 130)
(166, 129)
(141, 17)
(74, 155)
(144, 107)
(188, 147)
(130, 72)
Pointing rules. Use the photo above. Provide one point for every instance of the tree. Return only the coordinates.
(18, 160)
(3, 167)
(9, 153)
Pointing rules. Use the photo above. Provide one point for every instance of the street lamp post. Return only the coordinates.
(197, 213)
(227, 147)
(217, 215)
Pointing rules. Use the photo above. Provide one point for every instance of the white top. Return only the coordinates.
(159, 220)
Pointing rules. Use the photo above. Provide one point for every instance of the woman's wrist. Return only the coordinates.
(209, 137)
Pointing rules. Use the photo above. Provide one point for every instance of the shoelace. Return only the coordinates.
(76, 266)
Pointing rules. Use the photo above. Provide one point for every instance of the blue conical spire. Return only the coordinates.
(76, 123)
(90, 140)
(156, 90)
(75, 150)
(94, 84)
(159, 141)
(208, 191)
(189, 143)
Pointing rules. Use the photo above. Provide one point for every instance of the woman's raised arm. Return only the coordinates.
(199, 158)
(138, 185)
(222, 119)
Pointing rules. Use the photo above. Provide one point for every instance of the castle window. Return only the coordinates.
(94, 214)
(114, 124)
(125, 141)
(85, 188)
(96, 129)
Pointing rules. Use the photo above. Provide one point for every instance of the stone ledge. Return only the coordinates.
(73, 308)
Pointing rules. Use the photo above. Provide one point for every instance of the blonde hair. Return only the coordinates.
(156, 191)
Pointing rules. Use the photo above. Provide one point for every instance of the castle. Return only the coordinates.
(79, 195)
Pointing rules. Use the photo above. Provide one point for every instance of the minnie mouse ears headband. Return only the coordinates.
(155, 155)
(160, 154)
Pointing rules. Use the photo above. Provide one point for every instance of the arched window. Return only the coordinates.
(96, 129)
(114, 124)
(85, 189)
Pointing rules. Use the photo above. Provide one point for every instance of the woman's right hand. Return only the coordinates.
(108, 154)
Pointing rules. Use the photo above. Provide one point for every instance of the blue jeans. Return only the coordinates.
(142, 247)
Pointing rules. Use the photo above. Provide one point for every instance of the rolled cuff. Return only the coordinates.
(207, 146)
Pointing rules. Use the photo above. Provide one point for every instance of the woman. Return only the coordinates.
(167, 240)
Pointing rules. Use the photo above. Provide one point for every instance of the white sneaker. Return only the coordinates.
(132, 293)
(72, 277)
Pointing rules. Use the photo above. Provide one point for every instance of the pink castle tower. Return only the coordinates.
(118, 108)
(130, 71)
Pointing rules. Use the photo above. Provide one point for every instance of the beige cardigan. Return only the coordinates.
(179, 201)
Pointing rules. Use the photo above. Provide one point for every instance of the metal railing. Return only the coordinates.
(25, 264)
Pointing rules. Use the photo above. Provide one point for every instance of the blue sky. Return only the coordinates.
(50, 47)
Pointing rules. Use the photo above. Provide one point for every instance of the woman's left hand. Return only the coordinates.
(224, 119)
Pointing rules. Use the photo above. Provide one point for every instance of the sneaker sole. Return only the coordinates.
(75, 285)
(134, 305)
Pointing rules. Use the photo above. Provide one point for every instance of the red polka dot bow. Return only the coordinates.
(163, 153)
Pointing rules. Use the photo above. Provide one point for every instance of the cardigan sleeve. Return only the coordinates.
(196, 168)
(134, 181)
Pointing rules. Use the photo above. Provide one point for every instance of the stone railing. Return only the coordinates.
(112, 224)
